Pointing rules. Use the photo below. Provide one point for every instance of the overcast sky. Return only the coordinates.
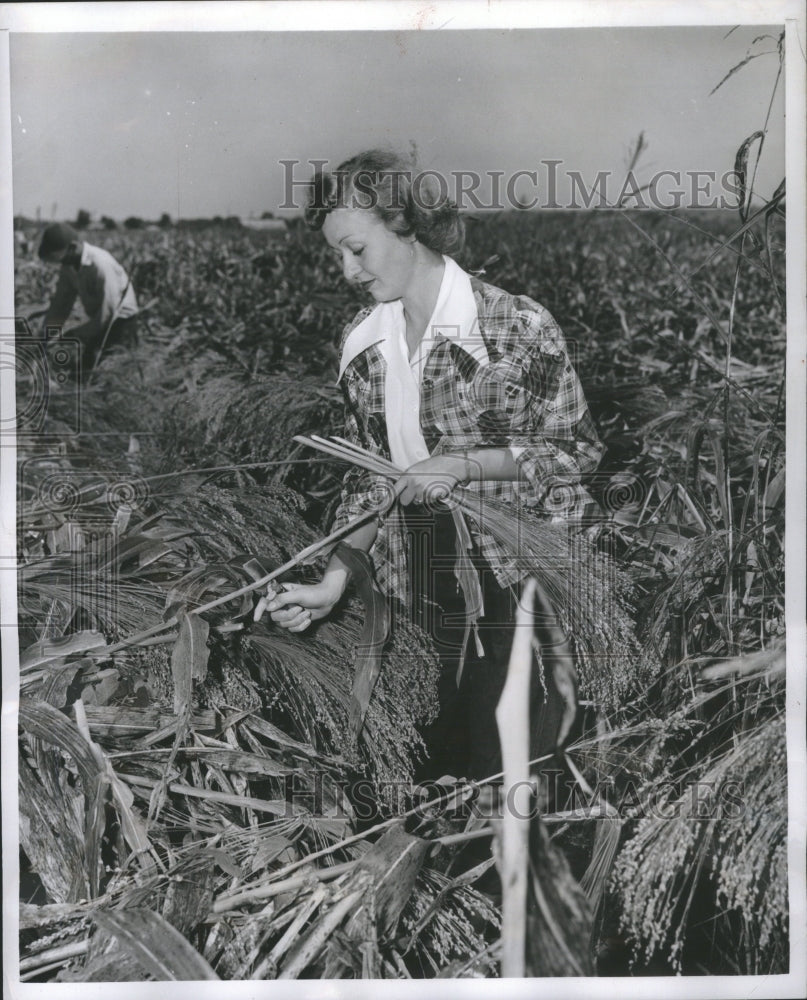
(196, 124)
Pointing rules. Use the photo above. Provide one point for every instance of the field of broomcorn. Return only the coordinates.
(182, 812)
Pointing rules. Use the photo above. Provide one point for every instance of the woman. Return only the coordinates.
(457, 382)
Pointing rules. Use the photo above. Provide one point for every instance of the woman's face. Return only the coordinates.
(372, 256)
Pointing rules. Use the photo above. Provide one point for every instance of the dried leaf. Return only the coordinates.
(392, 864)
(189, 659)
(374, 634)
(106, 688)
(224, 861)
(49, 650)
(157, 946)
(310, 947)
(556, 654)
(111, 721)
(559, 916)
(57, 682)
(741, 162)
(279, 807)
(32, 915)
(94, 826)
(188, 899)
(50, 725)
(51, 836)
(132, 826)
(673, 535)
(239, 761)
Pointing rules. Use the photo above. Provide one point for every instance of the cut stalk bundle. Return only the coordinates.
(740, 845)
(588, 592)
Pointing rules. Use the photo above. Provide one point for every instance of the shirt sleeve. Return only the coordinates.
(549, 428)
(62, 301)
(361, 490)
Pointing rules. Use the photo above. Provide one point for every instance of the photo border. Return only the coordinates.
(336, 15)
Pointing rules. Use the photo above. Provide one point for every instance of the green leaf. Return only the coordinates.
(212, 578)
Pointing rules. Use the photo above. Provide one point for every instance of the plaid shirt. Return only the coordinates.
(528, 398)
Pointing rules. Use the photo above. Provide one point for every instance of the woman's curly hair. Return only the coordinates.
(409, 202)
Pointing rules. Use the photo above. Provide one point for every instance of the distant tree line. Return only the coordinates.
(84, 220)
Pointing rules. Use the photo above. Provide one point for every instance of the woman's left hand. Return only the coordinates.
(431, 480)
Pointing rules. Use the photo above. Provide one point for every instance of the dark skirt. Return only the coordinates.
(464, 741)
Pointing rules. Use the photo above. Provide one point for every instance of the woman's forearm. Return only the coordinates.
(479, 464)
(337, 572)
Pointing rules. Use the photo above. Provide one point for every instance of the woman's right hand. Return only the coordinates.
(297, 605)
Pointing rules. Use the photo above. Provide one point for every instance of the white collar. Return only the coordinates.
(454, 318)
